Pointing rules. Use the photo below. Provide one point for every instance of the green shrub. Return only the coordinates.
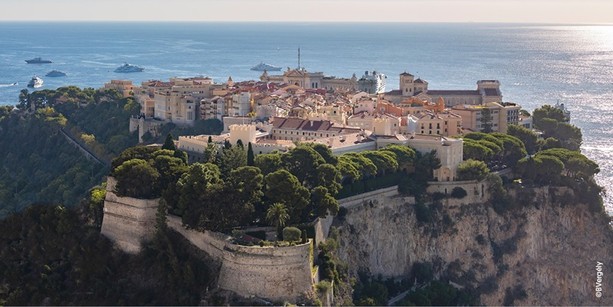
(458, 193)
(291, 234)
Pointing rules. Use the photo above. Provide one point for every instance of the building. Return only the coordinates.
(487, 91)
(372, 83)
(124, 87)
(175, 107)
(380, 124)
(449, 150)
(435, 123)
(489, 116)
(298, 129)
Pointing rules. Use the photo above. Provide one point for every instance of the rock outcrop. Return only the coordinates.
(548, 246)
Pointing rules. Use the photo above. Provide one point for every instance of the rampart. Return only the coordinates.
(275, 273)
(476, 191)
(127, 221)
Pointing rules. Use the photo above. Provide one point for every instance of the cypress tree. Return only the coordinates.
(169, 143)
(210, 139)
(250, 157)
(240, 143)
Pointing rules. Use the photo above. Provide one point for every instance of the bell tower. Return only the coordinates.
(407, 84)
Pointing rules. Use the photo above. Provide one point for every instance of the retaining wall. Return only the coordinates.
(274, 273)
(128, 221)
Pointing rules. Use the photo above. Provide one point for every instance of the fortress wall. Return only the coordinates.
(275, 273)
(352, 201)
(476, 192)
(322, 228)
(211, 243)
(128, 221)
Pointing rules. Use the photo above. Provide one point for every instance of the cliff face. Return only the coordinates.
(549, 246)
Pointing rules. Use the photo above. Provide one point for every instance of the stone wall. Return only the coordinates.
(274, 273)
(476, 191)
(128, 221)
(359, 199)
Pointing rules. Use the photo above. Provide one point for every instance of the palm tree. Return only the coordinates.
(277, 216)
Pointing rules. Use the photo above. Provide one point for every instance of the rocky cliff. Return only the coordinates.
(547, 246)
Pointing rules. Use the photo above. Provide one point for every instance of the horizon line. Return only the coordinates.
(310, 21)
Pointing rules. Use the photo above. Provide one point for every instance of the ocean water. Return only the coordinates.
(536, 64)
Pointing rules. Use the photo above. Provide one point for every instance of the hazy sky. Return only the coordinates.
(545, 11)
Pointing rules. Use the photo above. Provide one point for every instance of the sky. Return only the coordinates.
(519, 11)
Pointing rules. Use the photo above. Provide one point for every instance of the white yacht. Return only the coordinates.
(125, 68)
(35, 82)
(265, 67)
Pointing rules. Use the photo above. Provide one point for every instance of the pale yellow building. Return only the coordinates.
(487, 91)
(432, 123)
(124, 87)
(449, 150)
(475, 117)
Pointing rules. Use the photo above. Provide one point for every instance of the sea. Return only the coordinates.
(536, 64)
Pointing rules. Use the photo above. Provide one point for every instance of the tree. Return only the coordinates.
(136, 178)
(250, 155)
(171, 169)
(405, 155)
(200, 190)
(136, 152)
(546, 111)
(476, 151)
(244, 191)
(472, 170)
(486, 120)
(302, 162)
(348, 169)
(325, 152)
(277, 215)
(283, 187)
(364, 165)
(549, 169)
(233, 158)
(526, 136)
(385, 161)
(512, 150)
(268, 163)
(240, 144)
(323, 203)
(329, 177)
(169, 143)
(425, 164)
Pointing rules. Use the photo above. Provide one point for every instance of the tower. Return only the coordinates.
(407, 84)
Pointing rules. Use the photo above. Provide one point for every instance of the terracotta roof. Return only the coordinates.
(418, 80)
(406, 74)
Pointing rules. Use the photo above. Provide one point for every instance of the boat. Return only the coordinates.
(55, 73)
(265, 67)
(35, 82)
(38, 61)
(125, 68)
(373, 83)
